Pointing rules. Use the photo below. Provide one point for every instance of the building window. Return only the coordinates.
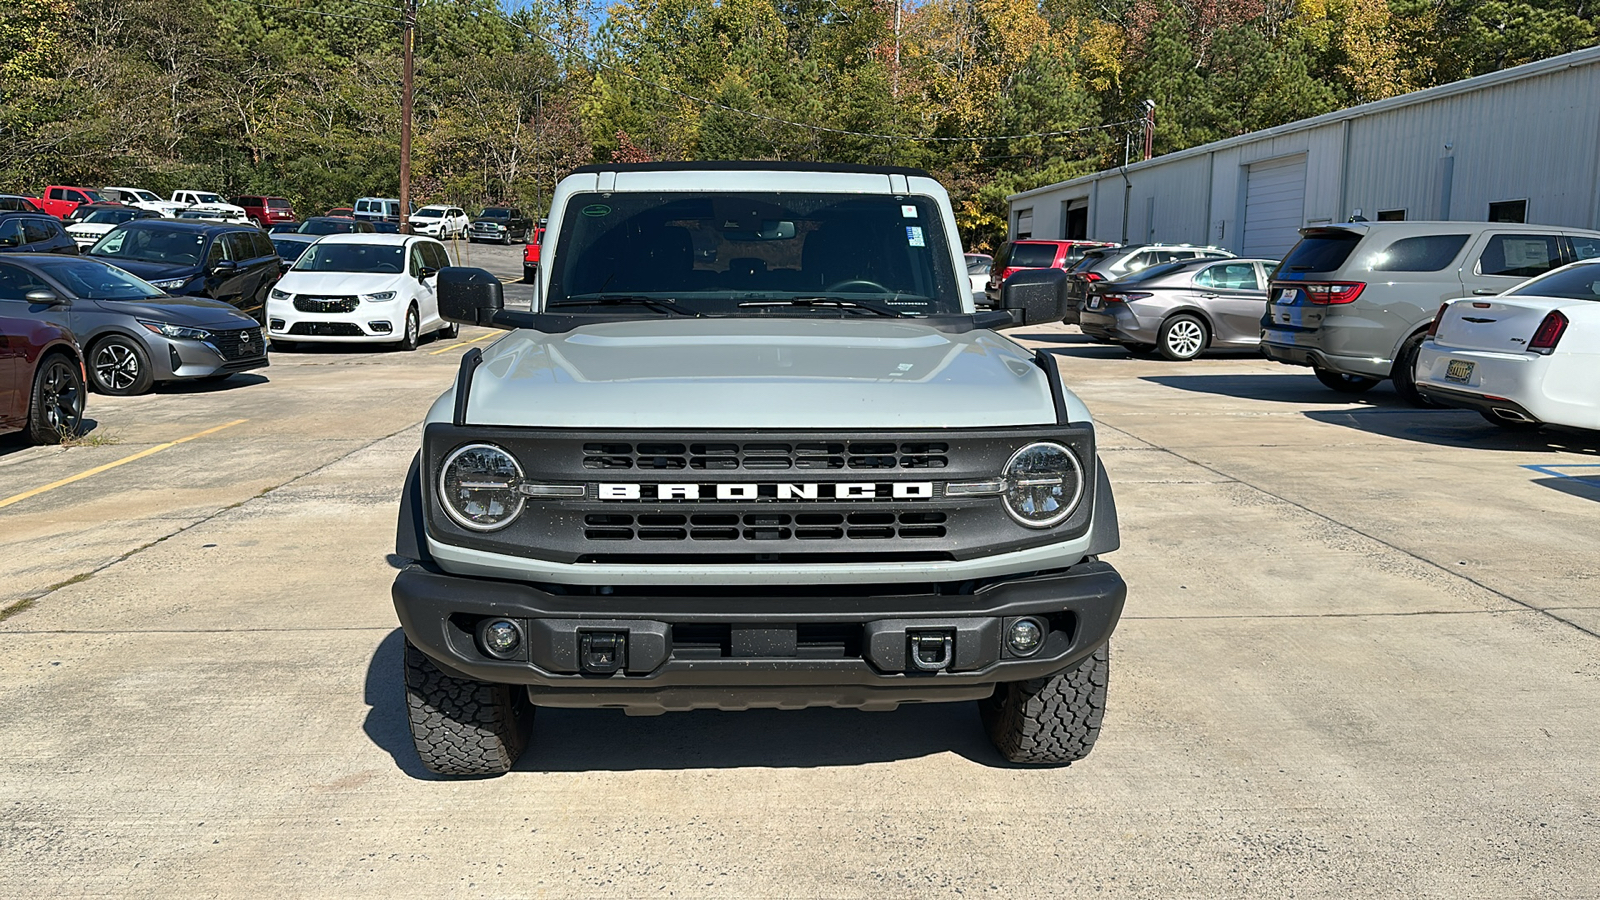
(1024, 225)
(1509, 211)
(1391, 215)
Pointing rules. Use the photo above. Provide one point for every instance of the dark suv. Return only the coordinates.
(236, 264)
(24, 232)
(501, 224)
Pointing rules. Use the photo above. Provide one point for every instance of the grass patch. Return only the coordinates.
(16, 607)
(92, 439)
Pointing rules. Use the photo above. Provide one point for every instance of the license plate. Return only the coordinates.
(1094, 302)
(1287, 295)
(1459, 371)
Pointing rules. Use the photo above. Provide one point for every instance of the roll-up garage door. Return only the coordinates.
(1274, 207)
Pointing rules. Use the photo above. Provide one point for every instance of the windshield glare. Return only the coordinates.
(108, 217)
(718, 253)
(374, 259)
(1572, 283)
(209, 198)
(177, 248)
(93, 280)
(147, 197)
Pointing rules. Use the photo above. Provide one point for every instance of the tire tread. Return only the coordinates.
(1050, 721)
(461, 726)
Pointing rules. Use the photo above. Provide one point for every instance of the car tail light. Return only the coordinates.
(1548, 334)
(1093, 276)
(1433, 327)
(1332, 293)
(1123, 298)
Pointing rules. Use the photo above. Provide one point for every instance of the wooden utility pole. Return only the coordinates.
(409, 37)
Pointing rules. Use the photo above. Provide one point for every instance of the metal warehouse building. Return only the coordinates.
(1519, 145)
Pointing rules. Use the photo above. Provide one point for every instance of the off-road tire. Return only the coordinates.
(119, 366)
(1510, 424)
(1344, 384)
(461, 726)
(1049, 721)
(55, 407)
(1183, 337)
(1404, 374)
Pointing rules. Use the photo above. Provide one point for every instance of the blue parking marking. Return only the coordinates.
(1555, 471)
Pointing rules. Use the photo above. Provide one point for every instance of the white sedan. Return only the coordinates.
(360, 288)
(1526, 358)
(442, 222)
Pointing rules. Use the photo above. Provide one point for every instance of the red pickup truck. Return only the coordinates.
(60, 200)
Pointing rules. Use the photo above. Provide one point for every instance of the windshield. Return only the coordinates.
(1031, 256)
(374, 259)
(176, 248)
(977, 265)
(208, 198)
(109, 216)
(93, 280)
(1158, 271)
(277, 203)
(495, 214)
(1572, 283)
(719, 253)
(326, 226)
(290, 250)
(428, 212)
(146, 196)
(1321, 251)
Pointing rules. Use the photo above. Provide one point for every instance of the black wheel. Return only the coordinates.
(55, 409)
(449, 331)
(1182, 337)
(119, 366)
(1049, 721)
(1345, 384)
(412, 335)
(1404, 374)
(1511, 424)
(461, 726)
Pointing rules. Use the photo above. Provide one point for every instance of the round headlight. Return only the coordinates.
(478, 487)
(1043, 484)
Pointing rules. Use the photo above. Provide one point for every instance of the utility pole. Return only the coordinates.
(1149, 128)
(409, 38)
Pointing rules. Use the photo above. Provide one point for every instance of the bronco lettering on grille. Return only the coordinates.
(895, 490)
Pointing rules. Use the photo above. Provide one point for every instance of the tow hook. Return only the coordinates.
(602, 652)
(931, 651)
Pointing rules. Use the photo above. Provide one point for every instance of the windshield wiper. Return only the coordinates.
(824, 303)
(653, 303)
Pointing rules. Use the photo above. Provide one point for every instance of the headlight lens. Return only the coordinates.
(176, 331)
(171, 284)
(378, 298)
(478, 487)
(1043, 484)
(282, 296)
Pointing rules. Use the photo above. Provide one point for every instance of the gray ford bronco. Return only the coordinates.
(753, 447)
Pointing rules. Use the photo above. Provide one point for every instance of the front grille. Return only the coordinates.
(775, 456)
(327, 329)
(764, 526)
(327, 304)
(242, 343)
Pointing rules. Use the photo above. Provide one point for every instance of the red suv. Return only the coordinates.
(41, 379)
(530, 253)
(1034, 254)
(264, 212)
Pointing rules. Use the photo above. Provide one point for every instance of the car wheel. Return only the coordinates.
(1049, 721)
(55, 408)
(450, 331)
(1344, 384)
(464, 727)
(1511, 424)
(256, 222)
(1404, 374)
(412, 335)
(1182, 338)
(529, 276)
(119, 366)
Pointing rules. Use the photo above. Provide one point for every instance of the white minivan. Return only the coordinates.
(360, 288)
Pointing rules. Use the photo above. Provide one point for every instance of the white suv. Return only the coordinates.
(443, 222)
(360, 288)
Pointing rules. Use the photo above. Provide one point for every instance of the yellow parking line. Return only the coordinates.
(18, 498)
(462, 344)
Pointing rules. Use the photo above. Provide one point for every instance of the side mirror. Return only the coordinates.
(1035, 297)
(469, 296)
(224, 267)
(426, 272)
(44, 298)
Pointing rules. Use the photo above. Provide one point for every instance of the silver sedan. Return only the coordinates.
(1182, 309)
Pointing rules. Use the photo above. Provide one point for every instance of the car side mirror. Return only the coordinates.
(469, 296)
(1035, 297)
(11, 240)
(426, 272)
(224, 267)
(44, 298)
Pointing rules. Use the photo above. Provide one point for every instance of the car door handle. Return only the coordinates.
(1485, 292)
(1209, 296)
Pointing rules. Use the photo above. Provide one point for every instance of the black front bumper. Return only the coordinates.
(677, 648)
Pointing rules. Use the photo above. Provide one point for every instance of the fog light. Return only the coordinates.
(380, 327)
(1025, 637)
(275, 324)
(500, 637)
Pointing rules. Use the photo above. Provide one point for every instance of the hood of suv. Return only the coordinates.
(783, 373)
(338, 284)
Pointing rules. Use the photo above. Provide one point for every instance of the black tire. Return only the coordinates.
(1344, 384)
(1183, 337)
(55, 407)
(411, 331)
(449, 331)
(461, 726)
(1404, 374)
(1050, 721)
(119, 366)
(1510, 424)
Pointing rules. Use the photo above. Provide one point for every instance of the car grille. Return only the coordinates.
(774, 456)
(485, 227)
(242, 343)
(764, 526)
(327, 329)
(327, 304)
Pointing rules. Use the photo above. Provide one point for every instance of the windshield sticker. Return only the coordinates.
(914, 236)
(909, 212)
(596, 211)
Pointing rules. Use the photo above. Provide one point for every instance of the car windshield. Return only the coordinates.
(94, 196)
(375, 259)
(1087, 261)
(978, 265)
(1580, 282)
(1158, 271)
(146, 196)
(325, 226)
(495, 214)
(277, 203)
(756, 254)
(157, 245)
(1321, 251)
(290, 250)
(91, 279)
(428, 212)
(208, 198)
(1031, 256)
(109, 216)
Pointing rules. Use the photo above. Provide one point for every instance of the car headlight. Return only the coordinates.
(1043, 484)
(281, 296)
(379, 297)
(478, 487)
(176, 331)
(171, 284)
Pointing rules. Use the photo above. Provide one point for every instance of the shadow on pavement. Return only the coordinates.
(1586, 488)
(584, 740)
(1456, 428)
(230, 383)
(1288, 386)
(12, 441)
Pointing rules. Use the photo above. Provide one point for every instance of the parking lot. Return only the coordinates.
(1359, 658)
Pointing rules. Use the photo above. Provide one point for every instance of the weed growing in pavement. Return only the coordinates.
(92, 439)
